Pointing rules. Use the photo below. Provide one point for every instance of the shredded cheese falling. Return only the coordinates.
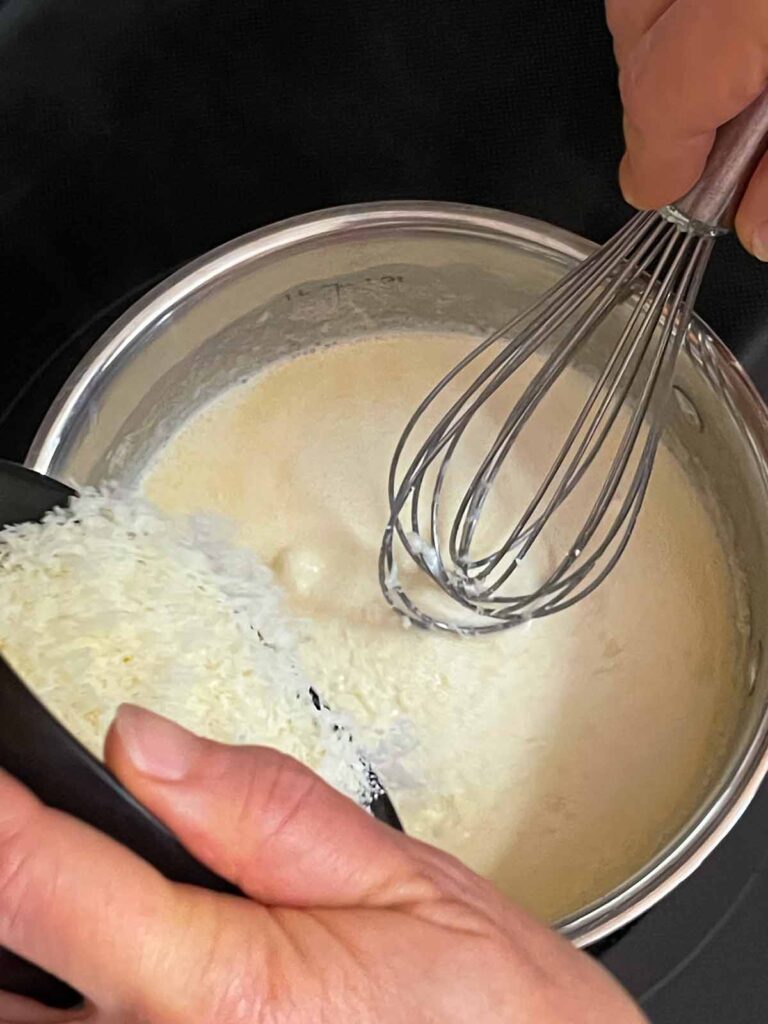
(109, 600)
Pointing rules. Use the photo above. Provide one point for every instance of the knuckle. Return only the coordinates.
(290, 791)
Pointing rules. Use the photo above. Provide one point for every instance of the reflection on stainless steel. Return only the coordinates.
(420, 266)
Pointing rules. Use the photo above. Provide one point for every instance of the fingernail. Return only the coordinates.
(760, 241)
(157, 747)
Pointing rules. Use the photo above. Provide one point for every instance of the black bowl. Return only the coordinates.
(41, 753)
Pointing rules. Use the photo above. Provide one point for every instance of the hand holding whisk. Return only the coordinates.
(649, 275)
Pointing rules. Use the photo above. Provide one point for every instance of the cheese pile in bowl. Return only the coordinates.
(109, 601)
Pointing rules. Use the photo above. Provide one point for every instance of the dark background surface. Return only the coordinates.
(135, 135)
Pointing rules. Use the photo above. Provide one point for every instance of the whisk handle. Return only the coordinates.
(710, 206)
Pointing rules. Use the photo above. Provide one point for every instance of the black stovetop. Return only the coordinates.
(137, 135)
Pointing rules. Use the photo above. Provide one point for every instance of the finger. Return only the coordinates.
(88, 911)
(671, 111)
(752, 217)
(15, 1010)
(656, 170)
(629, 20)
(261, 819)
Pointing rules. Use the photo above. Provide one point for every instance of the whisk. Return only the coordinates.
(650, 271)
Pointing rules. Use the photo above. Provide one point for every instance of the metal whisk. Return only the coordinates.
(650, 272)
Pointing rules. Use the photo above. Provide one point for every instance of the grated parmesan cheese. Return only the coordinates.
(109, 601)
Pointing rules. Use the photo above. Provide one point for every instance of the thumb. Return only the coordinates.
(261, 819)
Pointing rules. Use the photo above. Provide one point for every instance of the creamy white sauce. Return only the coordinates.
(556, 758)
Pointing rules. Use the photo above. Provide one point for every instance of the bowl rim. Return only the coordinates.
(720, 811)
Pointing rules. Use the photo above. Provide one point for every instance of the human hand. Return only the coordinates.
(347, 920)
(685, 68)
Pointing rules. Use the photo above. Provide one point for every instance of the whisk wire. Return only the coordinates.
(631, 506)
(477, 492)
(558, 299)
(656, 269)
